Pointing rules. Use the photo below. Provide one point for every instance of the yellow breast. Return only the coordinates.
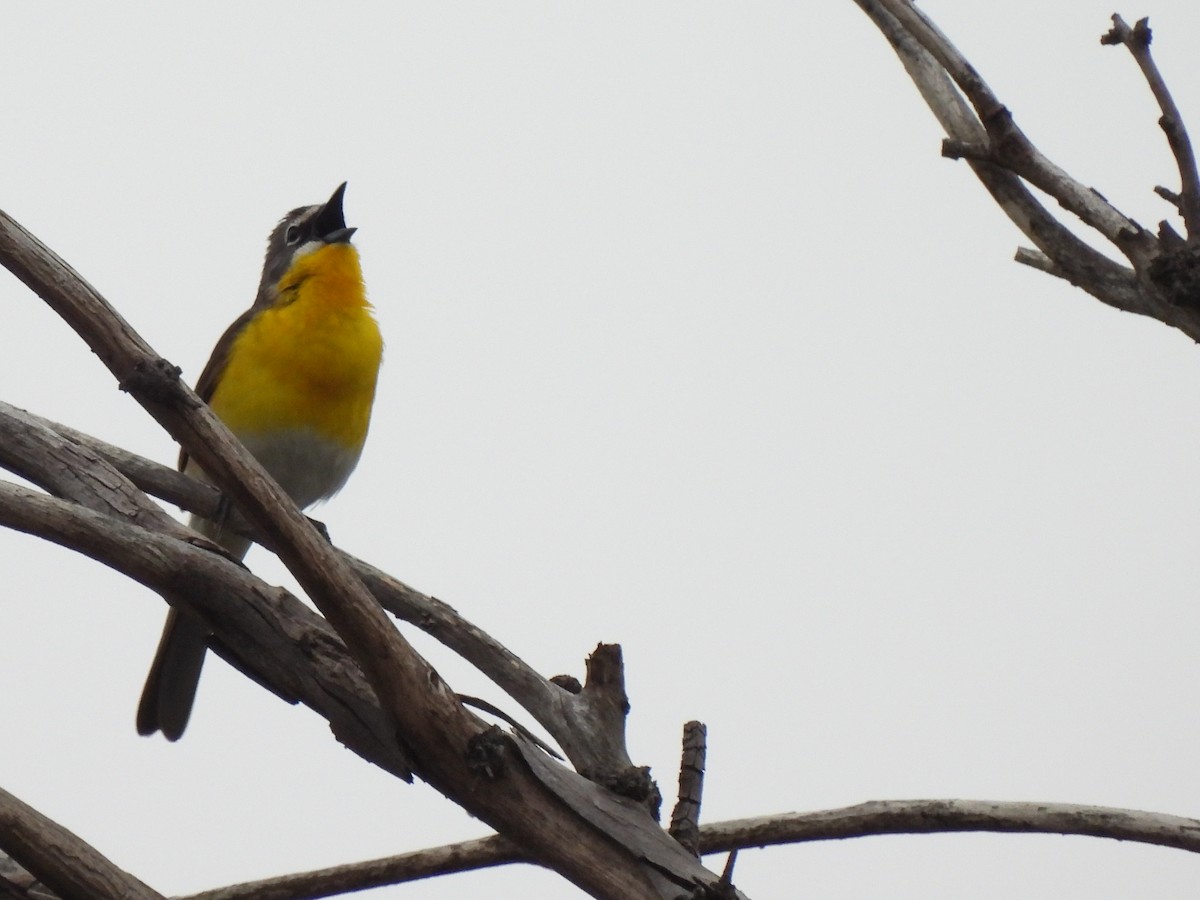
(310, 361)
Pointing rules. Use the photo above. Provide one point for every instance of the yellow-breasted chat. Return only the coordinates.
(294, 379)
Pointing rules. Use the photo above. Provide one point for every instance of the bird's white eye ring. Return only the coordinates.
(291, 237)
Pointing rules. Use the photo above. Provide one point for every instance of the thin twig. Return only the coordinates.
(942, 816)
(1137, 40)
(466, 856)
(492, 709)
(685, 818)
(1036, 259)
(1169, 195)
(727, 872)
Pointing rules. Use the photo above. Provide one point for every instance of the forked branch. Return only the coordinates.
(1137, 41)
(607, 846)
(1162, 275)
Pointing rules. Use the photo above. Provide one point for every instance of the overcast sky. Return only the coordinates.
(694, 344)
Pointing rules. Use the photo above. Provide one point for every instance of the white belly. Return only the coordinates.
(308, 467)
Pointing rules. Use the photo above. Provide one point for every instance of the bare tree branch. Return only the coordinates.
(944, 816)
(1082, 265)
(401, 711)
(685, 818)
(862, 820)
(1137, 40)
(1009, 146)
(727, 872)
(278, 626)
(466, 856)
(70, 867)
(163, 562)
(18, 883)
(588, 723)
(502, 780)
(263, 630)
(391, 666)
(1162, 283)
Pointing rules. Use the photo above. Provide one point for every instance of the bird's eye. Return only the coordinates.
(291, 237)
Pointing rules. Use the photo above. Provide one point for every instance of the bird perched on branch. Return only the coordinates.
(294, 379)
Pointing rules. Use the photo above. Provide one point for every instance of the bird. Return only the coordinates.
(294, 379)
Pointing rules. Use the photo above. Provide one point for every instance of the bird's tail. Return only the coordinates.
(174, 675)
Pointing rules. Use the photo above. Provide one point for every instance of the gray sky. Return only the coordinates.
(694, 344)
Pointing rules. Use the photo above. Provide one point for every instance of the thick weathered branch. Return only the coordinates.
(261, 629)
(39, 452)
(70, 867)
(257, 624)
(391, 666)
(588, 724)
(453, 750)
